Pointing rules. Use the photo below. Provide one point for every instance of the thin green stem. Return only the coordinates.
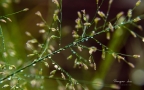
(98, 7)
(105, 20)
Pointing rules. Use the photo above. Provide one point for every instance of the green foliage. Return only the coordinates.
(26, 74)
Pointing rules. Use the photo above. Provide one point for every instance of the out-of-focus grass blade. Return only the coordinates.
(2, 44)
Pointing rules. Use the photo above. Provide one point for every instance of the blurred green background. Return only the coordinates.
(108, 70)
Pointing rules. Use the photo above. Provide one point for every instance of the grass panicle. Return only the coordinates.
(43, 52)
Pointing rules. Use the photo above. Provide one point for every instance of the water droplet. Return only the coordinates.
(77, 83)
(9, 78)
(25, 75)
(34, 64)
(73, 52)
(41, 87)
(77, 63)
(1, 81)
(21, 70)
(59, 68)
(122, 23)
(74, 43)
(56, 66)
(86, 39)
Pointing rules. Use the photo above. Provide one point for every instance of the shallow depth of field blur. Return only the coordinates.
(15, 42)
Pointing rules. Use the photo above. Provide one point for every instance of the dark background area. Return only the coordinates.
(26, 21)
